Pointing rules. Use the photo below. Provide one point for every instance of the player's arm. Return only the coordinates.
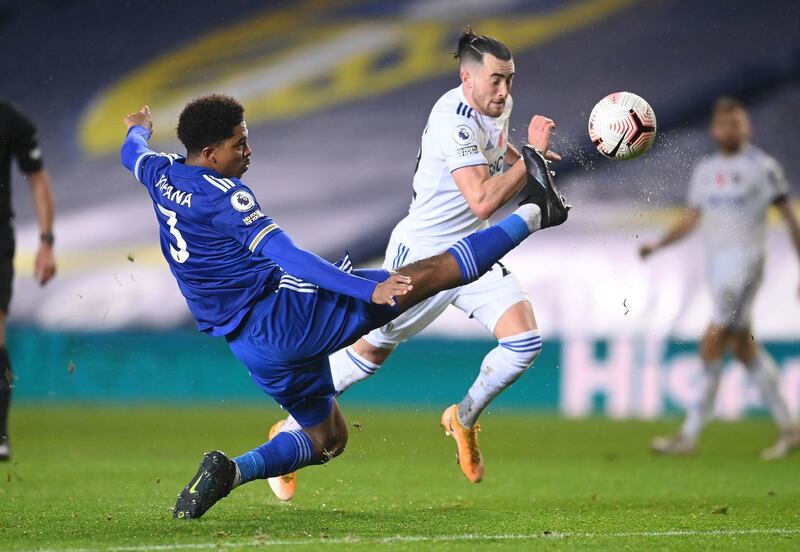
(512, 155)
(784, 205)
(687, 222)
(778, 187)
(267, 239)
(42, 191)
(312, 268)
(135, 148)
(25, 147)
(484, 193)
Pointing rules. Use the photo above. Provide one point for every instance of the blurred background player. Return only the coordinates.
(731, 192)
(18, 140)
(459, 183)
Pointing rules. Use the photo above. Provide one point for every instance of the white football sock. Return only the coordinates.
(531, 214)
(348, 367)
(699, 413)
(500, 368)
(764, 372)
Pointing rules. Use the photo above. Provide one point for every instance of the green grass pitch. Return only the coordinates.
(102, 479)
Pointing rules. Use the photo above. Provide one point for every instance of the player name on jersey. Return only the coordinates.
(173, 194)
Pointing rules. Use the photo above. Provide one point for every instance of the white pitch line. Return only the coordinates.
(434, 539)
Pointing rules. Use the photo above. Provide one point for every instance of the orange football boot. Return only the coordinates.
(469, 455)
(282, 486)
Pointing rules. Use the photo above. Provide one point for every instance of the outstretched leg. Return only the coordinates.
(469, 258)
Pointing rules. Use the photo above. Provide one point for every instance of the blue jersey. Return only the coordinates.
(224, 252)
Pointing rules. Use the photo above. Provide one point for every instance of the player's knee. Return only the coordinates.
(371, 353)
(745, 354)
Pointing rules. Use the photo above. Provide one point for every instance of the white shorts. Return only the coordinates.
(486, 299)
(734, 280)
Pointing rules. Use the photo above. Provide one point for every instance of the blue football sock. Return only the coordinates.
(286, 452)
(476, 253)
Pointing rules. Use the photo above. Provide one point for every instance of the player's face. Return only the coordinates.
(232, 157)
(731, 130)
(488, 85)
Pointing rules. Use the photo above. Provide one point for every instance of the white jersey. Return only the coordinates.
(456, 136)
(734, 192)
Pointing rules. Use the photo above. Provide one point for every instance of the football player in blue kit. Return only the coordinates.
(282, 309)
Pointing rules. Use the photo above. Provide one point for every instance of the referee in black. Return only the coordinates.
(18, 140)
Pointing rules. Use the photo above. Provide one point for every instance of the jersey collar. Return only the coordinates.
(180, 168)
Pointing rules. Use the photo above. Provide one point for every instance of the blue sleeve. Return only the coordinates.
(239, 216)
(135, 150)
(311, 268)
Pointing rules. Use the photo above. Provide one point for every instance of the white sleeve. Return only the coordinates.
(778, 185)
(458, 138)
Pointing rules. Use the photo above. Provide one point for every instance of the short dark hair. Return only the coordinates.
(726, 104)
(472, 47)
(207, 121)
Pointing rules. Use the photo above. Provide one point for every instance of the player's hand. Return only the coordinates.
(140, 118)
(539, 133)
(394, 286)
(646, 250)
(45, 266)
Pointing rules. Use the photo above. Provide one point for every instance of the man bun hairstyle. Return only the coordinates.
(472, 47)
(207, 121)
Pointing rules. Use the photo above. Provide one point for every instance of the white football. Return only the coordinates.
(622, 126)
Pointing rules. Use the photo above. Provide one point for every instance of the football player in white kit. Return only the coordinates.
(459, 183)
(729, 196)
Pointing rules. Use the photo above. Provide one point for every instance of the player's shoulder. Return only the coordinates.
(451, 108)
(759, 156)
(228, 191)
(150, 165)
(217, 186)
(14, 117)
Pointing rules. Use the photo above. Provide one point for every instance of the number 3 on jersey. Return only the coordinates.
(181, 254)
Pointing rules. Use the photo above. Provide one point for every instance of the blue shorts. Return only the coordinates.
(287, 337)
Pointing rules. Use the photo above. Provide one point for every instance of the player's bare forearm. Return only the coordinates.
(44, 264)
(485, 194)
(685, 225)
(42, 192)
(512, 155)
